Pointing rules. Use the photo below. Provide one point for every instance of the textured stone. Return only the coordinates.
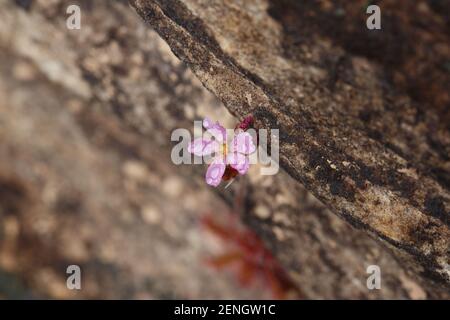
(352, 125)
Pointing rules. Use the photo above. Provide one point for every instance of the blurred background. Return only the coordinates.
(86, 179)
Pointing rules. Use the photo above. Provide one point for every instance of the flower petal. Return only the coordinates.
(207, 123)
(215, 172)
(239, 162)
(215, 129)
(243, 143)
(203, 147)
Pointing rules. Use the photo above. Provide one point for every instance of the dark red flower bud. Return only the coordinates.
(246, 123)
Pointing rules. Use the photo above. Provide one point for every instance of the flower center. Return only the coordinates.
(224, 150)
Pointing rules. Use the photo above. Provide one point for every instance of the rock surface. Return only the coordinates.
(358, 126)
(86, 176)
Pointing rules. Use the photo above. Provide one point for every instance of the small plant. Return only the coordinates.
(248, 257)
(229, 159)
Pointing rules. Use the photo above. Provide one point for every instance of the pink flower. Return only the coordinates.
(235, 155)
